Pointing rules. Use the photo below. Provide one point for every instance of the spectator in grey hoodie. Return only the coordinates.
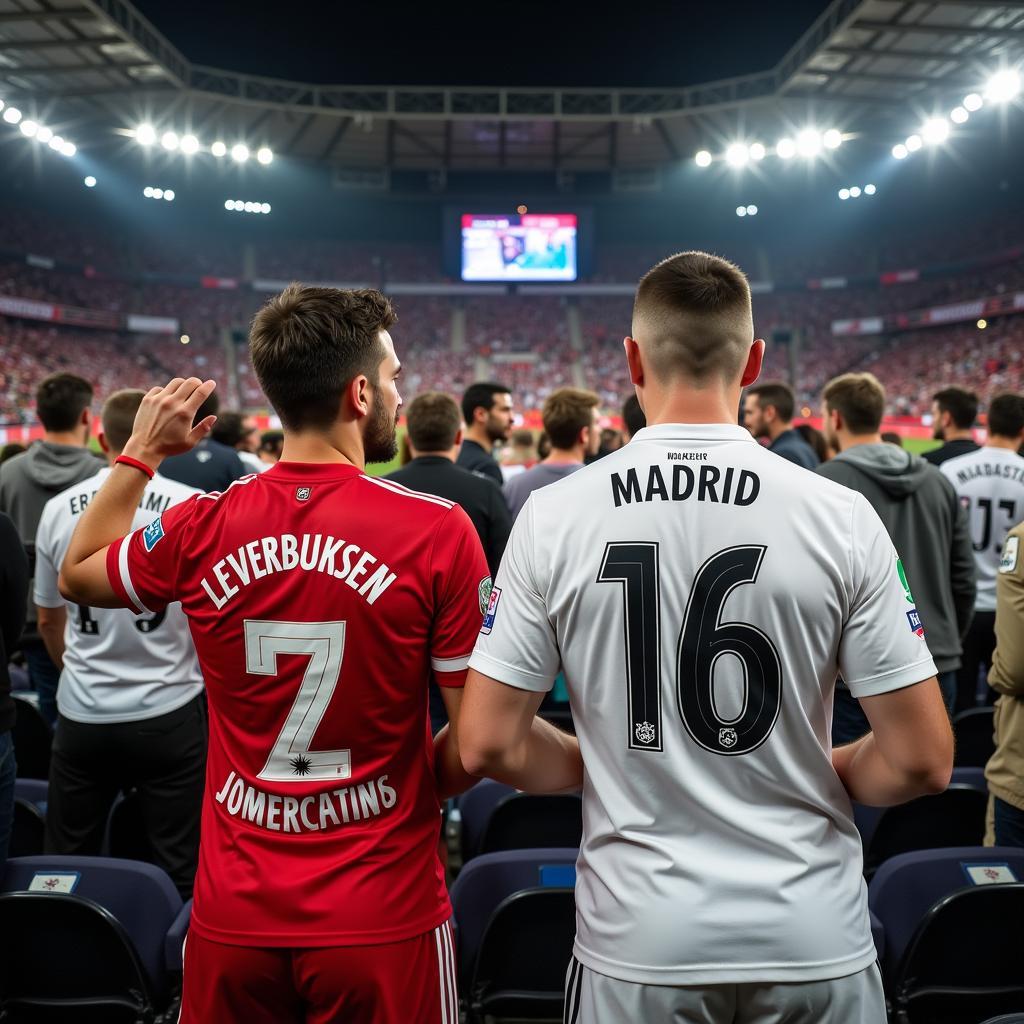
(28, 481)
(924, 518)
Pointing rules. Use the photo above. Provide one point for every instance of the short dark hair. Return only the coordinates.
(308, 343)
(481, 396)
(1006, 415)
(777, 394)
(118, 416)
(272, 441)
(891, 437)
(692, 312)
(61, 399)
(11, 449)
(633, 416)
(961, 404)
(229, 428)
(433, 422)
(565, 413)
(859, 398)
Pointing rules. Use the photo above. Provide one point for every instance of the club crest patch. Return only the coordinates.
(492, 610)
(483, 593)
(153, 534)
(1008, 562)
(303, 493)
(904, 582)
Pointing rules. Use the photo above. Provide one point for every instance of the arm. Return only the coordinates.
(908, 753)
(451, 777)
(501, 737)
(51, 622)
(962, 569)
(163, 426)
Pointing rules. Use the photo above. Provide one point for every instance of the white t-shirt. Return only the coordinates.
(117, 667)
(990, 484)
(253, 463)
(701, 595)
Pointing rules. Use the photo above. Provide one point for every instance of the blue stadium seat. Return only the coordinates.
(475, 807)
(975, 739)
(522, 820)
(1006, 1018)
(107, 935)
(33, 791)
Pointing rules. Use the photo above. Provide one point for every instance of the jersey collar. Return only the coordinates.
(694, 432)
(306, 471)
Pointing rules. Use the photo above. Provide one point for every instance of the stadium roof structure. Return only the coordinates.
(92, 67)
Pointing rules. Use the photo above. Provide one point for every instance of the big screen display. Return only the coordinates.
(519, 247)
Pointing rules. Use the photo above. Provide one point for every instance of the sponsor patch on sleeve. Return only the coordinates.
(492, 610)
(483, 593)
(914, 619)
(153, 534)
(1008, 562)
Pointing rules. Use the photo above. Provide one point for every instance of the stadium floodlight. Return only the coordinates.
(184, 339)
(169, 195)
(247, 207)
(703, 158)
(737, 154)
(169, 140)
(145, 135)
(913, 143)
(757, 151)
(900, 151)
(2, 104)
(239, 152)
(973, 102)
(958, 115)
(158, 193)
(1003, 86)
(785, 149)
(982, 324)
(265, 208)
(44, 134)
(189, 144)
(148, 192)
(808, 142)
(229, 204)
(29, 128)
(12, 115)
(751, 210)
(855, 192)
(870, 190)
(844, 193)
(833, 138)
(56, 143)
(218, 149)
(935, 130)
(741, 211)
(265, 155)
(69, 149)
(90, 181)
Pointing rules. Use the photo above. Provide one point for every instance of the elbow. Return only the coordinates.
(480, 756)
(65, 584)
(933, 773)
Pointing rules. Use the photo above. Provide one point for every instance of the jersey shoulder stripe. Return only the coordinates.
(395, 488)
(217, 495)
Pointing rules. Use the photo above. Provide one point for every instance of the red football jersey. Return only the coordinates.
(320, 600)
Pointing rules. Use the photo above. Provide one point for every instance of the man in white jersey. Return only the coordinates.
(701, 596)
(990, 484)
(131, 708)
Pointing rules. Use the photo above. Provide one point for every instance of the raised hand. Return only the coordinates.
(163, 424)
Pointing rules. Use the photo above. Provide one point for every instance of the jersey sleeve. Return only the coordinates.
(462, 585)
(143, 567)
(883, 645)
(45, 592)
(517, 643)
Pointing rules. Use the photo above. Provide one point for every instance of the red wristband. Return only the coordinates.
(127, 460)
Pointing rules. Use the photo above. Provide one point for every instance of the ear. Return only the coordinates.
(104, 443)
(458, 439)
(634, 362)
(754, 360)
(358, 396)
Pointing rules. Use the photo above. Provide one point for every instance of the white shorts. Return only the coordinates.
(592, 998)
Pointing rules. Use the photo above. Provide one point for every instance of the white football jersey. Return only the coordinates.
(117, 667)
(990, 484)
(701, 595)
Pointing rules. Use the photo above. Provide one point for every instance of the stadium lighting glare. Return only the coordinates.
(56, 143)
(12, 115)
(2, 104)
(189, 144)
(169, 140)
(958, 115)
(29, 128)
(239, 152)
(44, 134)
(751, 211)
(935, 130)
(982, 324)
(69, 149)
(90, 181)
(265, 155)
(913, 143)
(737, 154)
(148, 192)
(265, 208)
(741, 211)
(757, 151)
(973, 102)
(169, 195)
(855, 192)
(870, 190)
(158, 193)
(218, 149)
(1003, 86)
(808, 142)
(785, 149)
(833, 138)
(844, 193)
(145, 135)
(229, 204)
(900, 151)
(185, 339)
(703, 158)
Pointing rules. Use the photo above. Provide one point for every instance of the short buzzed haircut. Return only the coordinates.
(433, 422)
(118, 416)
(961, 404)
(693, 317)
(61, 399)
(481, 396)
(565, 413)
(778, 395)
(859, 398)
(307, 344)
(1006, 415)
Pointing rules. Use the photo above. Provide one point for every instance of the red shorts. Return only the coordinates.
(408, 982)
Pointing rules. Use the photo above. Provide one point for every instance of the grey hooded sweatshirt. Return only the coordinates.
(929, 530)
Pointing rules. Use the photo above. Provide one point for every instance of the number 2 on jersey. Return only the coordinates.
(703, 639)
(324, 643)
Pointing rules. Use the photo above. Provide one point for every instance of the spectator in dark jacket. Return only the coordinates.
(210, 466)
(768, 413)
(487, 411)
(924, 518)
(954, 411)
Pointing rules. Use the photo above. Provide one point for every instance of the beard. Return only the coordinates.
(380, 442)
(937, 434)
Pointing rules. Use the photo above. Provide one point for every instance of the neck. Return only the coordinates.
(959, 435)
(450, 454)
(691, 405)
(68, 437)
(479, 435)
(564, 456)
(775, 429)
(847, 441)
(1010, 444)
(344, 444)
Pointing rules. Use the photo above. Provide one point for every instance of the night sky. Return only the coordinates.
(532, 42)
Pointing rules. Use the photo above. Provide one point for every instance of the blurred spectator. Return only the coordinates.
(610, 441)
(10, 450)
(543, 445)
(238, 431)
(487, 412)
(890, 437)
(768, 413)
(954, 411)
(633, 418)
(519, 454)
(271, 445)
(210, 466)
(816, 439)
(29, 480)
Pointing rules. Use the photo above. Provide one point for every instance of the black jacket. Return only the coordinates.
(473, 457)
(479, 498)
(950, 450)
(792, 447)
(210, 466)
(13, 601)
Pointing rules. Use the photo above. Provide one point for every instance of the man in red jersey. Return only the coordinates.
(320, 600)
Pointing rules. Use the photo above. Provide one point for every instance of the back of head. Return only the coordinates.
(522, 440)
(480, 396)
(271, 442)
(433, 422)
(229, 428)
(692, 319)
(307, 344)
(778, 395)
(962, 406)
(565, 413)
(1006, 415)
(61, 399)
(118, 417)
(633, 418)
(859, 398)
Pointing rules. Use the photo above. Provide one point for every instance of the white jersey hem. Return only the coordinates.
(508, 674)
(726, 974)
(84, 718)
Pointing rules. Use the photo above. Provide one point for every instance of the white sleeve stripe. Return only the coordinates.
(390, 485)
(450, 664)
(126, 579)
